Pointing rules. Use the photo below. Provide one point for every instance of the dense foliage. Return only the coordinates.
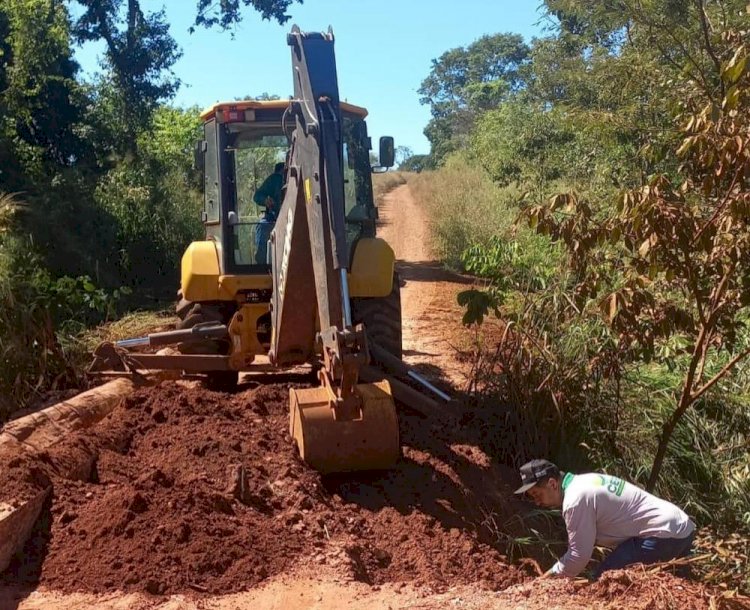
(98, 197)
(615, 149)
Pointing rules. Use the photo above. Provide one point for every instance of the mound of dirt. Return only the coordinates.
(188, 490)
(193, 490)
(21, 478)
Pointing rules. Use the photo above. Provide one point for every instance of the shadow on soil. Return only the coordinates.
(255, 380)
(416, 352)
(434, 375)
(430, 271)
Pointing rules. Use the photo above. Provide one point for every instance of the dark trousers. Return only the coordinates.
(645, 550)
(262, 235)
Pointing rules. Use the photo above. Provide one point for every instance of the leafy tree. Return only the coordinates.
(670, 264)
(228, 13)
(172, 136)
(154, 201)
(683, 35)
(43, 145)
(40, 99)
(522, 143)
(443, 138)
(458, 75)
(416, 163)
(465, 81)
(140, 53)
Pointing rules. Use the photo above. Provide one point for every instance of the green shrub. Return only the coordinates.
(40, 316)
(551, 150)
(554, 376)
(157, 215)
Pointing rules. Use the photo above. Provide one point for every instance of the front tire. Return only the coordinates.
(382, 318)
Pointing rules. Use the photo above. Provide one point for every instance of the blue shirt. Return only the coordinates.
(271, 187)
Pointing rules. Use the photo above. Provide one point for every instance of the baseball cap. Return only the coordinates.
(534, 471)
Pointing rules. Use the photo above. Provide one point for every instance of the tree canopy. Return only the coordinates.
(465, 81)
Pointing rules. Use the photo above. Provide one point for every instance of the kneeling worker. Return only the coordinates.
(610, 512)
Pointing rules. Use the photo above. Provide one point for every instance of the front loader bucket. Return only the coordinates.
(367, 443)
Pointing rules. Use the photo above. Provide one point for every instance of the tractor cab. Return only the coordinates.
(243, 142)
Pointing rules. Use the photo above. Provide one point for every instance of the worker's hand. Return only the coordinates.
(269, 203)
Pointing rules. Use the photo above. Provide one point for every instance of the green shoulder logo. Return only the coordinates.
(613, 484)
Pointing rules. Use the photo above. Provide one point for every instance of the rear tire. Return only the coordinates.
(382, 318)
(200, 314)
(219, 381)
(183, 306)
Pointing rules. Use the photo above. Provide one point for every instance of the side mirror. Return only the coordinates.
(199, 155)
(387, 152)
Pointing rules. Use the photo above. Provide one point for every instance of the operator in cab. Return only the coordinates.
(268, 196)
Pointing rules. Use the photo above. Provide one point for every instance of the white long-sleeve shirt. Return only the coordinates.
(604, 510)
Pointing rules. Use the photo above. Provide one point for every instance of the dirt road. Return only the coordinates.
(431, 316)
(197, 500)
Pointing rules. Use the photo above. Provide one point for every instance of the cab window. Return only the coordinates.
(254, 162)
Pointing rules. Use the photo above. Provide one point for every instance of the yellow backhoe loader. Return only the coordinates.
(308, 282)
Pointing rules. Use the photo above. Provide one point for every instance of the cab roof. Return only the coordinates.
(210, 112)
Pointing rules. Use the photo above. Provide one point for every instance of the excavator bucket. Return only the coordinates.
(368, 442)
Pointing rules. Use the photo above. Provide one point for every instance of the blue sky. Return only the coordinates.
(383, 52)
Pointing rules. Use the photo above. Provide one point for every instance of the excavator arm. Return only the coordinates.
(342, 425)
(309, 241)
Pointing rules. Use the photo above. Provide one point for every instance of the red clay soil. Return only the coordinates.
(194, 490)
(21, 478)
(634, 589)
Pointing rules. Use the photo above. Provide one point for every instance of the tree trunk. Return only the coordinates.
(664, 437)
(686, 399)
